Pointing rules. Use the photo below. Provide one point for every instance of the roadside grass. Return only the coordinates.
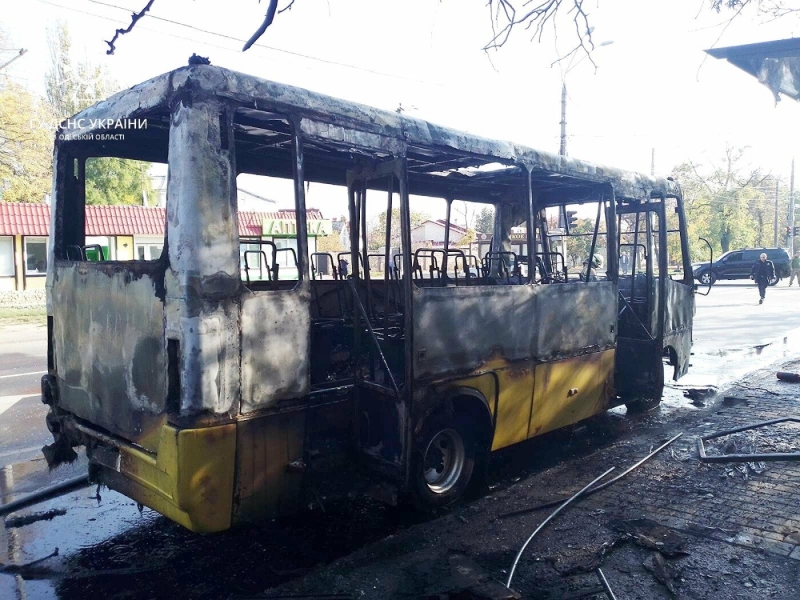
(22, 316)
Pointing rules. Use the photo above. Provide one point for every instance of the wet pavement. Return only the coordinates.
(108, 548)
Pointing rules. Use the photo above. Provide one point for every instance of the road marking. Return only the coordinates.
(7, 402)
(23, 374)
(19, 451)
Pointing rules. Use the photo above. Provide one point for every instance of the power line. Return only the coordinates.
(235, 39)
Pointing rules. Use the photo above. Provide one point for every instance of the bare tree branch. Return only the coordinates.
(272, 10)
(134, 18)
(505, 17)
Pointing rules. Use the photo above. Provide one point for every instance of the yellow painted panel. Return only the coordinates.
(125, 247)
(570, 390)
(514, 405)
(189, 480)
(35, 282)
(266, 445)
(515, 384)
(7, 284)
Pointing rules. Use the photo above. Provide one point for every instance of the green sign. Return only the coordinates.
(288, 227)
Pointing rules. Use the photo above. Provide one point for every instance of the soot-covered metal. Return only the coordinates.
(160, 359)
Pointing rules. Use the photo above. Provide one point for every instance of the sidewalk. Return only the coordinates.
(674, 527)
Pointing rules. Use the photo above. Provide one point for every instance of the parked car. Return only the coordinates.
(736, 264)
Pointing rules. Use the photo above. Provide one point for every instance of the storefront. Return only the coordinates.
(130, 233)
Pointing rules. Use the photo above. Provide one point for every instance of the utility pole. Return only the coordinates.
(653, 162)
(563, 149)
(790, 235)
(775, 223)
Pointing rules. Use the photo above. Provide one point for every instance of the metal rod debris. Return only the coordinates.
(604, 583)
(52, 491)
(548, 519)
(599, 487)
(755, 457)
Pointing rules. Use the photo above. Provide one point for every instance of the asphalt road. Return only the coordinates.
(731, 317)
(733, 335)
(23, 360)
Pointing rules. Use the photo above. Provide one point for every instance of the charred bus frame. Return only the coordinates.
(215, 400)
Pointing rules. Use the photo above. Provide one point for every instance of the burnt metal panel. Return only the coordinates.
(459, 328)
(204, 282)
(680, 308)
(275, 347)
(109, 345)
(204, 82)
(587, 318)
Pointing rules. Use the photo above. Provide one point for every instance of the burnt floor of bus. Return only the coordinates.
(160, 558)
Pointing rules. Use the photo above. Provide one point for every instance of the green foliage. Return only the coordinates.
(26, 146)
(729, 204)
(484, 221)
(376, 229)
(72, 86)
(118, 181)
(578, 246)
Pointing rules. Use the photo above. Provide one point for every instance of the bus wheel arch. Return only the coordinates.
(450, 456)
(671, 354)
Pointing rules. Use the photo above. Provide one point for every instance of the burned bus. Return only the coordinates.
(216, 393)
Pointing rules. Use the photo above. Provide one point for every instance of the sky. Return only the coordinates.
(652, 88)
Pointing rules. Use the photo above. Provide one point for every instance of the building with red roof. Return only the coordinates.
(124, 233)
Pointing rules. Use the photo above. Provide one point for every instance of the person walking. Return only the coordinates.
(795, 269)
(762, 273)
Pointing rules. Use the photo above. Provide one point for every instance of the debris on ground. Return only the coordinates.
(788, 377)
(27, 569)
(735, 401)
(656, 564)
(48, 515)
(699, 396)
(653, 536)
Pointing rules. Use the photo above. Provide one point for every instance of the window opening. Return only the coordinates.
(269, 245)
(35, 256)
(6, 257)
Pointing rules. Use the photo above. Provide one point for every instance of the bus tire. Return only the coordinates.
(653, 398)
(642, 405)
(443, 462)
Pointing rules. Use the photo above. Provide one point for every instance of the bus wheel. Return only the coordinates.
(652, 398)
(443, 463)
(641, 405)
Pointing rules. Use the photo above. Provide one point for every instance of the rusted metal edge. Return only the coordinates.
(765, 457)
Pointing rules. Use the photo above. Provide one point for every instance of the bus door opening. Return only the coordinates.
(377, 299)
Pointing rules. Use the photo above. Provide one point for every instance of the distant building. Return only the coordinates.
(128, 233)
(430, 233)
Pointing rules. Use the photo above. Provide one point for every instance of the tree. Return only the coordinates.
(578, 245)
(484, 221)
(726, 203)
(72, 86)
(26, 146)
(376, 228)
